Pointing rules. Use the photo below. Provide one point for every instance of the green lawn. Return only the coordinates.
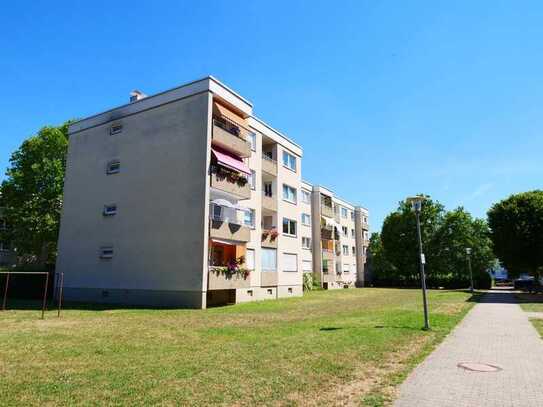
(351, 345)
(530, 302)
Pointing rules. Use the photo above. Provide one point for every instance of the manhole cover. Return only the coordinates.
(479, 367)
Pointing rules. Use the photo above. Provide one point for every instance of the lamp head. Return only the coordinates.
(416, 202)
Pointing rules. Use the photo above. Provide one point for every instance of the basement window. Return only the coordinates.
(290, 290)
(113, 167)
(110, 210)
(115, 129)
(250, 293)
(106, 252)
(270, 291)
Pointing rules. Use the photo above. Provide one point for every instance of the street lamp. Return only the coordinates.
(416, 205)
(468, 253)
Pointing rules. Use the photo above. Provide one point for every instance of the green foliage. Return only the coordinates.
(32, 193)
(516, 225)
(446, 235)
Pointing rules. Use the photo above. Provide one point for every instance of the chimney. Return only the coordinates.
(136, 95)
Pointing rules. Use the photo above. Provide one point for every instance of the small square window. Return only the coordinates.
(110, 210)
(289, 290)
(106, 252)
(250, 293)
(113, 167)
(115, 129)
(270, 291)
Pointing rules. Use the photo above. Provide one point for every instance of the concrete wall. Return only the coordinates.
(159, 233)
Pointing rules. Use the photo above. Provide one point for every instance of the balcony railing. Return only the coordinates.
(231, 136)
(269, 238)
(220, 281)
(222, 181)
(269, 165)
(269, 202)
(327, 211)
(229, 229)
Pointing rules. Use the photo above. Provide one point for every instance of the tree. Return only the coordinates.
(516, 226)
(457, 232)
(32, 193)
(381, 270)
(400, 242)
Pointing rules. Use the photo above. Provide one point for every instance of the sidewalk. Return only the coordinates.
(495, 332)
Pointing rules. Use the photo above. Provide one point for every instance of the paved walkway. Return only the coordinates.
(495, 332)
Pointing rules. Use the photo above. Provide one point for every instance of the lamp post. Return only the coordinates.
(468, 253)
(416, 205)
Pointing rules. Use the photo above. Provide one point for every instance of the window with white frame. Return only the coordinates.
(250, 259)
(289, 161)
(352, 215)
(269, 259)
(249, 218)
(345, 231)
(289, 227)
(252, 141)
(113, 167)
(289, 193)
(252, 180)
(106, 252)
(110, 210)
(346, 268)
(268, 189)
(345, 250)
(290, 262)
(307, 266)
(115, 128)
(306, 242)
(306, 197)
(306, 219)
(344, 212)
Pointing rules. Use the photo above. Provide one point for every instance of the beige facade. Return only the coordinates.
(339, 238)
(185, 198)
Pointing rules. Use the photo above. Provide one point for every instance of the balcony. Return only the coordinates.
(268, 165)
(329, 277)
(239, 188)
(219, 281)
(327, 211)
(231, 136)
(329, 256)
(269, 238)
(269, 202)
(229, 230)
(365, 225)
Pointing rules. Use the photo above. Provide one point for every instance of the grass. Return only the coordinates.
(329, 347)
(530, 302)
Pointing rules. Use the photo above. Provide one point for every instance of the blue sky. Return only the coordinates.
(387, 98)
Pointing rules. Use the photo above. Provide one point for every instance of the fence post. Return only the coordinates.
(60, 293)
(5, 293)
(45, 296)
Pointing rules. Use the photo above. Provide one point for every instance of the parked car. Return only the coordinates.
(527, 283)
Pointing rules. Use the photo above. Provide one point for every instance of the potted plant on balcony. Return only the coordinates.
(265, 234)
(273, 234)
(234, 267)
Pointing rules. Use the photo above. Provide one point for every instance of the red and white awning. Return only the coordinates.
(230, 161)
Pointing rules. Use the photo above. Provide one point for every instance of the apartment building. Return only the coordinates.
(166, 195)
(336, 233)
(185, 199)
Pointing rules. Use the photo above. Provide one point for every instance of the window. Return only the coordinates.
(252, 141)
(250, 259)
(306, 243)
(344, 212)
(345, 250)
(268, 189)
(252, 180)
(364, 250)
(249, 218)
(354, 250)
(217, 212)
(306, 197)
(269, 259)
(345, 231)
(352, 215)
(106, 252)
(250, 293)
(269, 291)
(306, 219)
(346, 268)
(289, 161)
(325, 266)
(268, 154)
(289, 193)
(353, 233)
(289, 227)
(110, 210)
(307, 266)
(289, 290)
(113, 167)
(290, 262)
(115, 129)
